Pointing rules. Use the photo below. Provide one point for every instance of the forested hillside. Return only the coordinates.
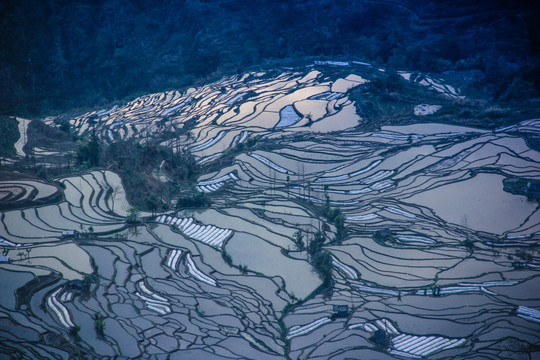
(60, 55)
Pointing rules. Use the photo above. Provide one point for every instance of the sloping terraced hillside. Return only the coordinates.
(432, 258)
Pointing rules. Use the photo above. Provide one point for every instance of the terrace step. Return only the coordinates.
(207, 234)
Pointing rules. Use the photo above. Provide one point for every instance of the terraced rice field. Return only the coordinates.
(25, 190)
(438, 261)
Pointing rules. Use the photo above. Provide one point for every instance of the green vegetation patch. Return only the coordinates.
(522, 186)
(389, 100)
(136, 164)
(45, 136)
(10, 135)
(198, 199)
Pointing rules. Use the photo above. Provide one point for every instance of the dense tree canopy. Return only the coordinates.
(60, 55)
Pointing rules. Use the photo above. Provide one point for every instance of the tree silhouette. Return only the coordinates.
(298, 239)
(90, 152)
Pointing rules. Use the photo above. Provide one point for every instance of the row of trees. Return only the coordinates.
(335, 216)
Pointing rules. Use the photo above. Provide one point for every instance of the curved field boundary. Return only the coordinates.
(59, 309)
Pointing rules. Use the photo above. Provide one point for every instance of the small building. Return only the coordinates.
(4, 259)
(340, 311)
(70, 234)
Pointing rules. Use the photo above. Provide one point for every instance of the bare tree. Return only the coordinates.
(115, 189)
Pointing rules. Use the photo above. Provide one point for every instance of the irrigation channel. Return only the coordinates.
(432, 264)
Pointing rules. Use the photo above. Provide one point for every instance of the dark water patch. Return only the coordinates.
(25, 293)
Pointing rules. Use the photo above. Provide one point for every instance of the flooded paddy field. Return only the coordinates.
(435, 257)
